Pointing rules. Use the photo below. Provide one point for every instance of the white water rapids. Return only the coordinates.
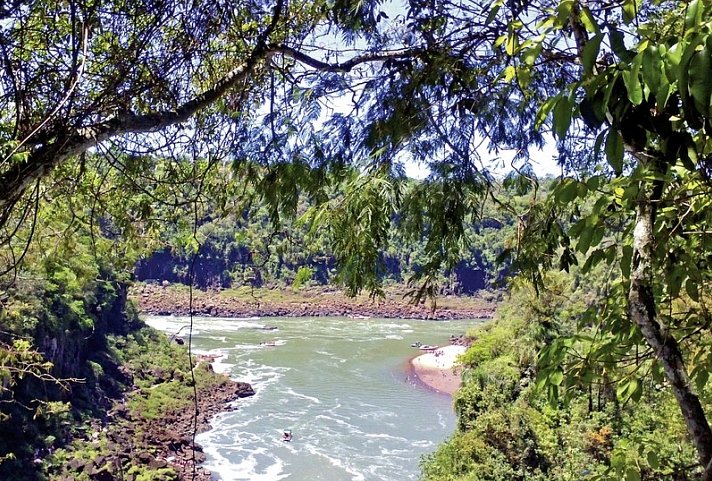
(340, 385)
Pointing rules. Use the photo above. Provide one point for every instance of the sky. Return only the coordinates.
(543, 162)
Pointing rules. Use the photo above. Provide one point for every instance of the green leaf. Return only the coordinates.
(524, 76)
(532, 54)
(622, 389)
(700, 78)
(618, 460)
(673, 56)
(662, 95)
(691, 288)
(552, 394)
(691, 116)
(593, 260)
(629, 389)
(626, 260)
(494, 9)
(562, 117)
(590, 53)
(694, 14)
(597, 236)
(630, 10)
(597, 145)
(632, 474)
(556, 377)
(592, 112)
(512, 44)
(701, 380)
(653, 460)
(576, 229)
(652, 68)
(636, 390)
(566, 191)
(563, 11)
(614, 150)
(509, 73)
(545, 110)
(594, 182)
(588, 21)
(618, 45)
(632, 81)
(585, 240)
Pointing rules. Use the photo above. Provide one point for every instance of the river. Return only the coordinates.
(340, 385)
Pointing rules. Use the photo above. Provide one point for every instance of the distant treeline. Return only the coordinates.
(247, 249)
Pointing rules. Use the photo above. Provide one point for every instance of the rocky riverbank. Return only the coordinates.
(175, 300)
(133, 443)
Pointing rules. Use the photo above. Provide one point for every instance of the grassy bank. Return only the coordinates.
(510, 427)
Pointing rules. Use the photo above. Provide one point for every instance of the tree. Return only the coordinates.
(145, 77)
(242, 85)
(653, 103)
(634, 81)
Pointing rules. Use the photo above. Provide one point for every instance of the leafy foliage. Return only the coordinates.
(629, 80)
(510, 428)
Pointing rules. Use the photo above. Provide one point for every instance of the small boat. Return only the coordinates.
(416, 344)
(427, 347)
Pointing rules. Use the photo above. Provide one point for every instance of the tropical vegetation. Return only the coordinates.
(325, 101)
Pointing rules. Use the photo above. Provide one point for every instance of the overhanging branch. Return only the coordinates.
(43, 158)
(348, 65)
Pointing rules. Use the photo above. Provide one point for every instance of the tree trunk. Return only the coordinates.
(641, 308)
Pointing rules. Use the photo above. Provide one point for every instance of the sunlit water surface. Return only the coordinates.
(341, 385)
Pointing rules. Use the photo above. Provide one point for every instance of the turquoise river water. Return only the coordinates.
(341, 385)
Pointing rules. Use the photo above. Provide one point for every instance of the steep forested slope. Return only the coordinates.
(512, 427)
(74, 355)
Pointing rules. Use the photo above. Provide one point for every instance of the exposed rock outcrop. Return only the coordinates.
(165, 300)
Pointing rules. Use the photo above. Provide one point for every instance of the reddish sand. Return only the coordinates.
(438, 369)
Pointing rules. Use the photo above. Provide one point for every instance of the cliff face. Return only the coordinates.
(213, 267)
(108, 415)
(86, 373)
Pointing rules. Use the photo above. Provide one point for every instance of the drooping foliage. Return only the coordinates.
(288, 93)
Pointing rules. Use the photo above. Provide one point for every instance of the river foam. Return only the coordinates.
(338, 384)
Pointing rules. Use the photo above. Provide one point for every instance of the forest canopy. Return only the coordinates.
(248, 99)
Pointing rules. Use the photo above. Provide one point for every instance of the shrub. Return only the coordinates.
(302, 277)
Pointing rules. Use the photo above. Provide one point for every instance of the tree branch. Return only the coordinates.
(40, 161)
(65, 145)
(348, 65)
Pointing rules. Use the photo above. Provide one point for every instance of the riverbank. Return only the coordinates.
(307, 302)
(148, 432)
(438, 369)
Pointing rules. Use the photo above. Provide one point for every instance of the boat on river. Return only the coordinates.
(427, 347)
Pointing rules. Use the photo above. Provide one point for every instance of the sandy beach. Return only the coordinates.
(438, 370)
